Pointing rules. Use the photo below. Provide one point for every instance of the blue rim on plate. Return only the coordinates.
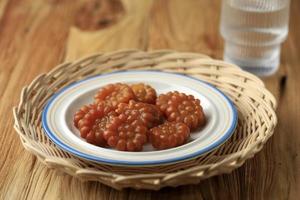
(75, 152)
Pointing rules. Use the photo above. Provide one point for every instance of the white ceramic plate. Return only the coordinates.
(221, 115)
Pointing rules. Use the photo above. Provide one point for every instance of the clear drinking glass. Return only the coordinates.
(253, 31)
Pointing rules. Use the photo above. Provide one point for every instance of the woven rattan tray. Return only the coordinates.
(255, 106)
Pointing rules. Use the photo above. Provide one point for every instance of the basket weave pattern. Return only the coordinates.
(254, 103)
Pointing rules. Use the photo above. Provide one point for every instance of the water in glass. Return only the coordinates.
(253, 31)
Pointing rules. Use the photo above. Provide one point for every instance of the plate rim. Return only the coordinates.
(97, 159)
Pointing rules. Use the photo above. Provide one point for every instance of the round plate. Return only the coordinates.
(221, 115)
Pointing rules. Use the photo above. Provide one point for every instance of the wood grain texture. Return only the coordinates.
(130, 32)
(37, 35)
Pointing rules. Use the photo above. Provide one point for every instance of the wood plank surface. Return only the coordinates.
(37, 35)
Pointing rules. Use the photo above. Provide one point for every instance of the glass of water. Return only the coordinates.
(253, 31)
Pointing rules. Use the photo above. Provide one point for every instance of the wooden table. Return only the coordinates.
(37, 35)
